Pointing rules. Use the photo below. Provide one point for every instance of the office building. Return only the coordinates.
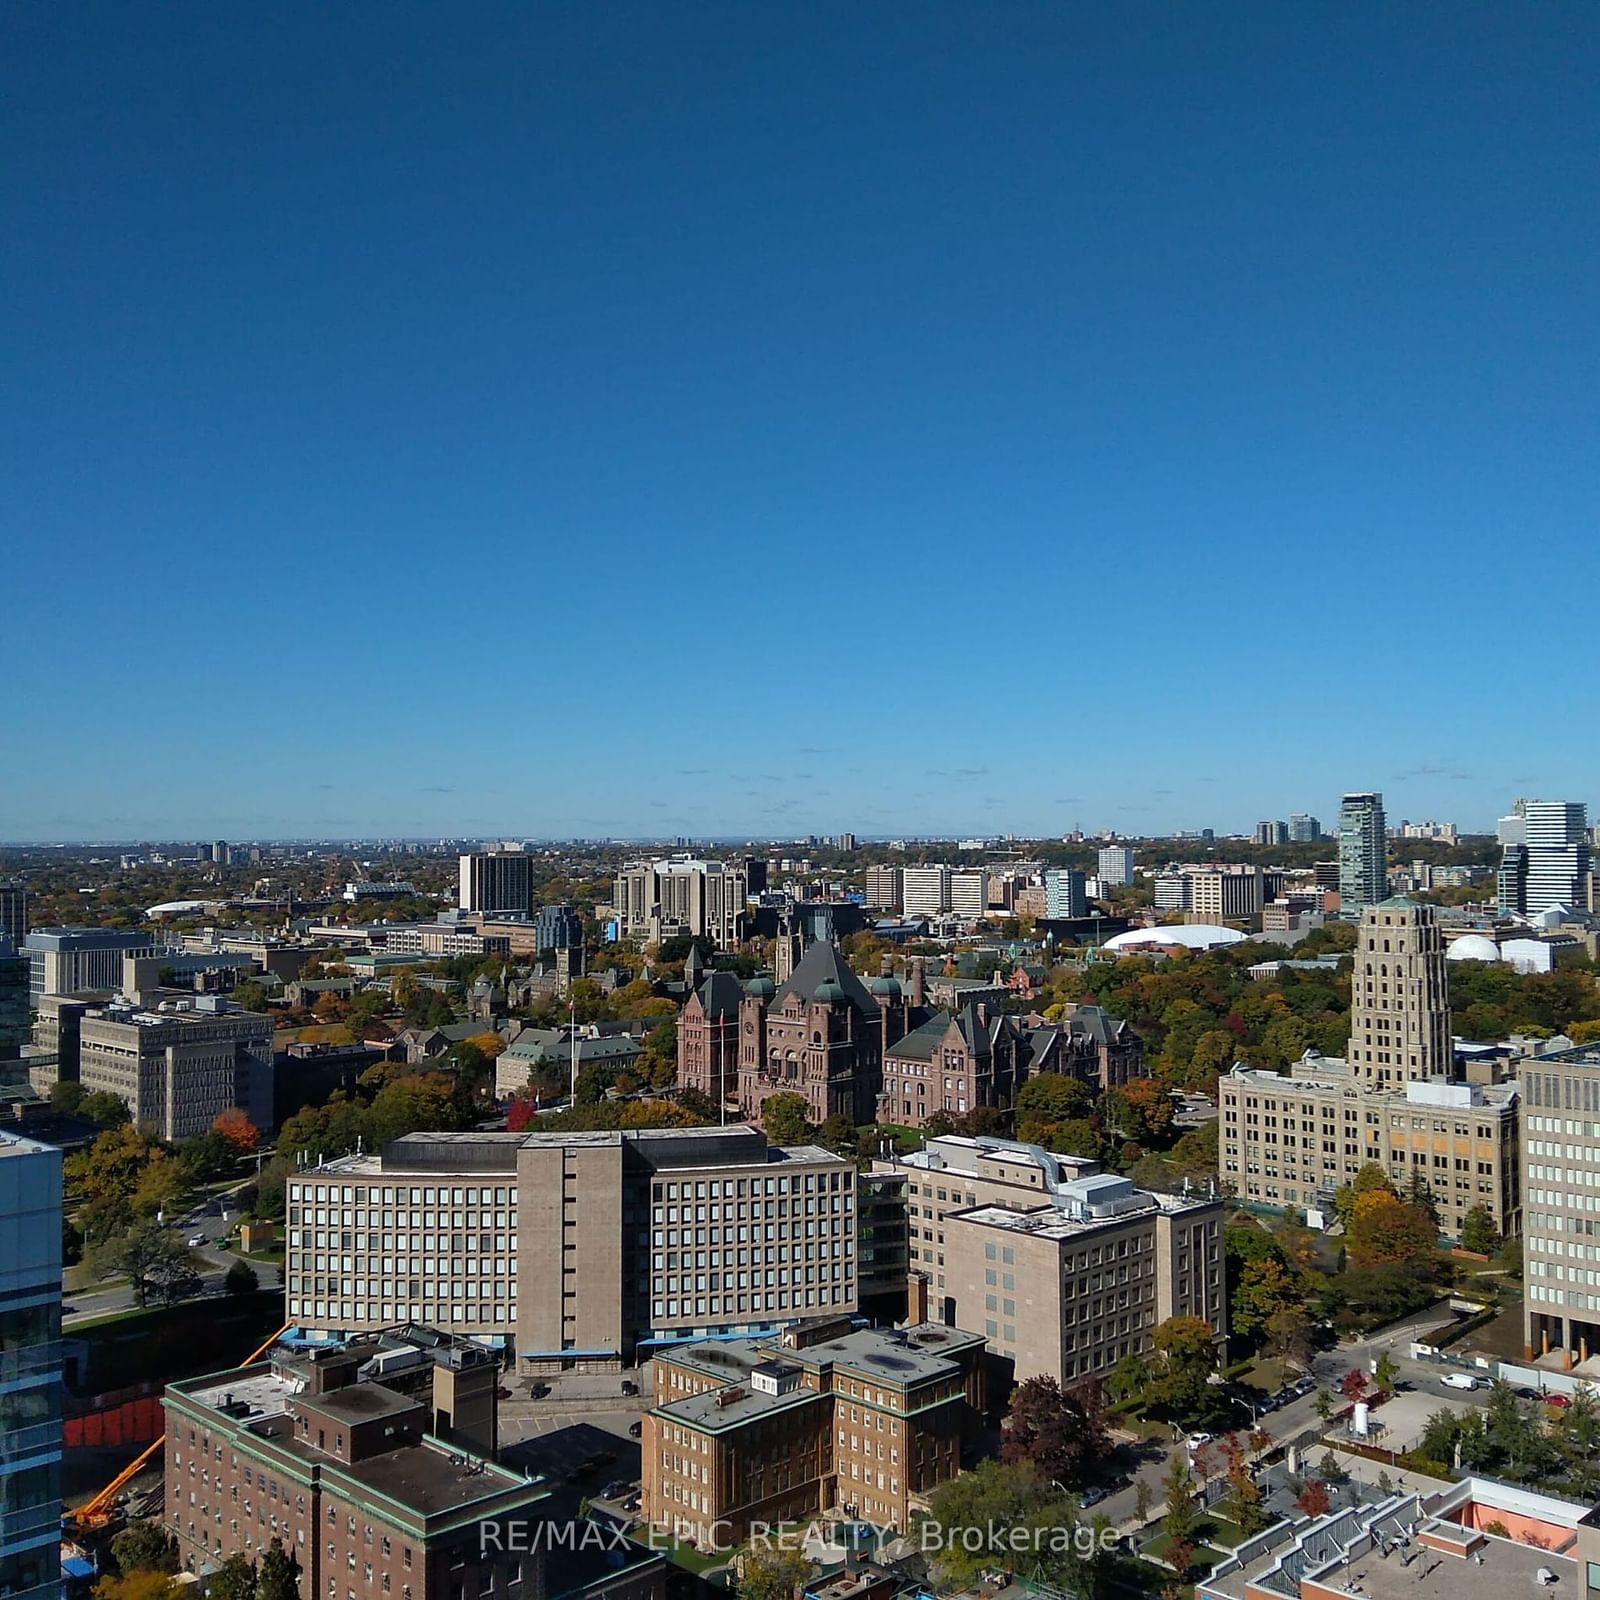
(1174, 891)
(667, 899)
(178, 1070)
(558, 927)
(846, 841)
(80, 960)
(1100, 1263)
(821, 1418)
(379, 889)
(1223, 894)
(574, 1251)
(1116, 866)
(1561, 1216)
(13, 913)
(30, 1370)
(375, 1488)
(1272, 833)
(446, 939)
(1363, 853)
(925, 891)
(496, 880)
(1066, 893)
(1393, 1099)
(16, 1012)
(1304, 828)
(969, 894)
(1557, 855)
(883, 888)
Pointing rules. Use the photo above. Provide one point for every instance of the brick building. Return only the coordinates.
(825, 1416)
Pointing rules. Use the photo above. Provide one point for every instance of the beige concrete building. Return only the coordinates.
(1295, 1140)
(1065, 1269)
(824, 1416)
(1561, 1217)
(664, 899)
(180, 1063)
(1226, 894)
(575, 1251)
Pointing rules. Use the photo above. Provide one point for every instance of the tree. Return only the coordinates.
(1061, 1433)
(1323, 1404)
(1129, 1378)
(783, 1116)
(1187, 1352)
(838, 1132)
(1386, 1231)
(1179, 1486)
(66, 1094)
(1242, 1503)
(144, 1547)
(161, 1186)
(488, 1044)
(241, 1279)
(278, 1575)
(976, 1512)
(141, 1585)
(1261, 1289)
(1478, 1232)
(777, 1574)
(109, 1110)
(1353, 1385)
(235, 1579)
(1313, 1499)
(1141, 1500)
(238, 1130)
(155, 1263)
(1385, 1370)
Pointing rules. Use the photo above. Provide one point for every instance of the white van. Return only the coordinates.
(1460, 1380)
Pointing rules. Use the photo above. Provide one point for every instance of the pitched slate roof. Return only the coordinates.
(1097, 1023)
(721, 995)
(821, 964)
(922, 1043)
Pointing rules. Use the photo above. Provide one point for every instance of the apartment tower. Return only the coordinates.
(1363, 836)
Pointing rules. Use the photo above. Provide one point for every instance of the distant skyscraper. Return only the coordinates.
(219, 852)
(16, 1009)
(1304, 828)
(1557, 855)
(1065, 893)
(558, 927)
(925, 891)
(1363, 847)
(846, 841)
(497, 880)
(1272, 833)
(30, 1371)
(13, 913)
(1116, 865)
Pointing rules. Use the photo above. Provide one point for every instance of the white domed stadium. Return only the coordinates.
(1185, 935)
(1472, 947)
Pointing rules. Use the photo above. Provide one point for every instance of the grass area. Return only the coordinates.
(1268, 1373)
(904, 1138)
(1205, 1556)
(108, 1317)
(690, 1559)
(1219, 1532)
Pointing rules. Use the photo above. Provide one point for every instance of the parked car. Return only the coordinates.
(1093, 1496)
(635, 1429)
(632, 1502)
(629, 1386)
(1459, 1380)
(1198, 1441)
(198, 1241)
(537, 1391)
(615, 1489)
(1560, 1401)
(502, 1393)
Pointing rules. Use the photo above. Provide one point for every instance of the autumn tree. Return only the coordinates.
(238, 1130)
(1186, 1355)
(1061, 1432)
(1242, 1502)
(783, 1116)
(1386, 1231)
(1313, 1498)
(776, 1574)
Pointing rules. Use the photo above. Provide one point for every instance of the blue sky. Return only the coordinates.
(661, 418)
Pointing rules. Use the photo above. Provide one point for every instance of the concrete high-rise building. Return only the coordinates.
(220, 854)
(1363, 853)
(969, 893)
(1066, 893)
(1557, 855)
(1560, 1225)
(13, 913)
(883, 888)
(1272, 833)
(80, 960)
(496, 880)
(574, 1250)
(1116, 866)
(845, 841)
(1304, 828)
(925, 891)
(177, 1071)
(667, 899)
(30, 1369)
(1400, 997)
(558, 927)
(1063, 1268)
(1226, 894)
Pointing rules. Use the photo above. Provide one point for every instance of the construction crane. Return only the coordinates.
(96, 1513)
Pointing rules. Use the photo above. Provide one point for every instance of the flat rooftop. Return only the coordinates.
(1052, 1222)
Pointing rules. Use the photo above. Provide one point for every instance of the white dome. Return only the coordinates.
(1472, 947)
(1190, 935)
(177, 908)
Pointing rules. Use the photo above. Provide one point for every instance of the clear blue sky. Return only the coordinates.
(755, 417)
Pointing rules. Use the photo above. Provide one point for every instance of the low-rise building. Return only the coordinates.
(774, 1430)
